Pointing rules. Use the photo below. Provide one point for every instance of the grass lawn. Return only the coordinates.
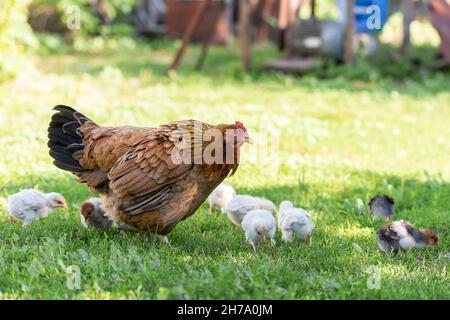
(339, 140)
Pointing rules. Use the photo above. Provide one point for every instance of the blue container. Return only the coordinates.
(370, 15)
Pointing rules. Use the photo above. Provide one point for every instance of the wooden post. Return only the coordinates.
(283, 14)
(293, 12)
(407, 8)
(262, 27)
(187, 35)
(283, 23)
(244, 32)
(349, 55)
(209, 36)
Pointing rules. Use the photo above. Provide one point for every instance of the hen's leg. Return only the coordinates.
(211, 207)
(124, 227)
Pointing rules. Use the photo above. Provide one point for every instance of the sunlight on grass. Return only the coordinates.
(340, 141)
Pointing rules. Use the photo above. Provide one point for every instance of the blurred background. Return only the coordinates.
(345, 108)
(411, 38)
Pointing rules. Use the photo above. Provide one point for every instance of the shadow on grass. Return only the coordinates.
(336, 215)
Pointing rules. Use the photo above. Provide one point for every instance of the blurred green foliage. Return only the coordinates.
(15, 36)
(114, 18)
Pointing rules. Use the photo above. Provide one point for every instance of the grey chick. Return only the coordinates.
(401, 235)
(382, 207)
(92, 214)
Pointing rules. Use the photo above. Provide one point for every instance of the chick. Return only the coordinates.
(240, 205)
(382, 207)
(92, 214)
(221, 196)
(30, 205)
(402, 235)
(259, 225)
(294, 222)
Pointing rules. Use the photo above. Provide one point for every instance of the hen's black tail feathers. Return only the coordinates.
(65, 138)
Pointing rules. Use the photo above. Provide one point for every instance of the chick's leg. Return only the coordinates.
(26, 223)
(286, 236)
(309, 239)
(10, 219)
(272, 242)
(164, 239)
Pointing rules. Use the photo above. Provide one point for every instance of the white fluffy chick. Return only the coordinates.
(30, 205)
(92, 214)
(221, 196)
(240, 205)
(259, 225)
(294, 222)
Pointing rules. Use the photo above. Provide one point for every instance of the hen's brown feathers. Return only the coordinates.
(144, 178)
(151, 177)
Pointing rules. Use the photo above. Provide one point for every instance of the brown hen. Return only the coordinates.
(150, 178)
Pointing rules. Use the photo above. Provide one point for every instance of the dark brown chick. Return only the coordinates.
(92, 214)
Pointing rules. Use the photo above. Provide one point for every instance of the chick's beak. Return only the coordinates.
(64, 206)
(248, 139)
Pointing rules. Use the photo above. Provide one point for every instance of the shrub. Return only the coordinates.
(15, 36)
(96, 17)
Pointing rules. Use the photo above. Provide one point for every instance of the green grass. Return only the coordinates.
(340, 140)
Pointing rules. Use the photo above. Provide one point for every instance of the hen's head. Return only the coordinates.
(235, 134)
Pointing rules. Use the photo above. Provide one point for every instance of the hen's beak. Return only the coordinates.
(248, 140)
(64, 206)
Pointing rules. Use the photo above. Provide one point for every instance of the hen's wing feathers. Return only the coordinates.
(145, 177)
(101, 149)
